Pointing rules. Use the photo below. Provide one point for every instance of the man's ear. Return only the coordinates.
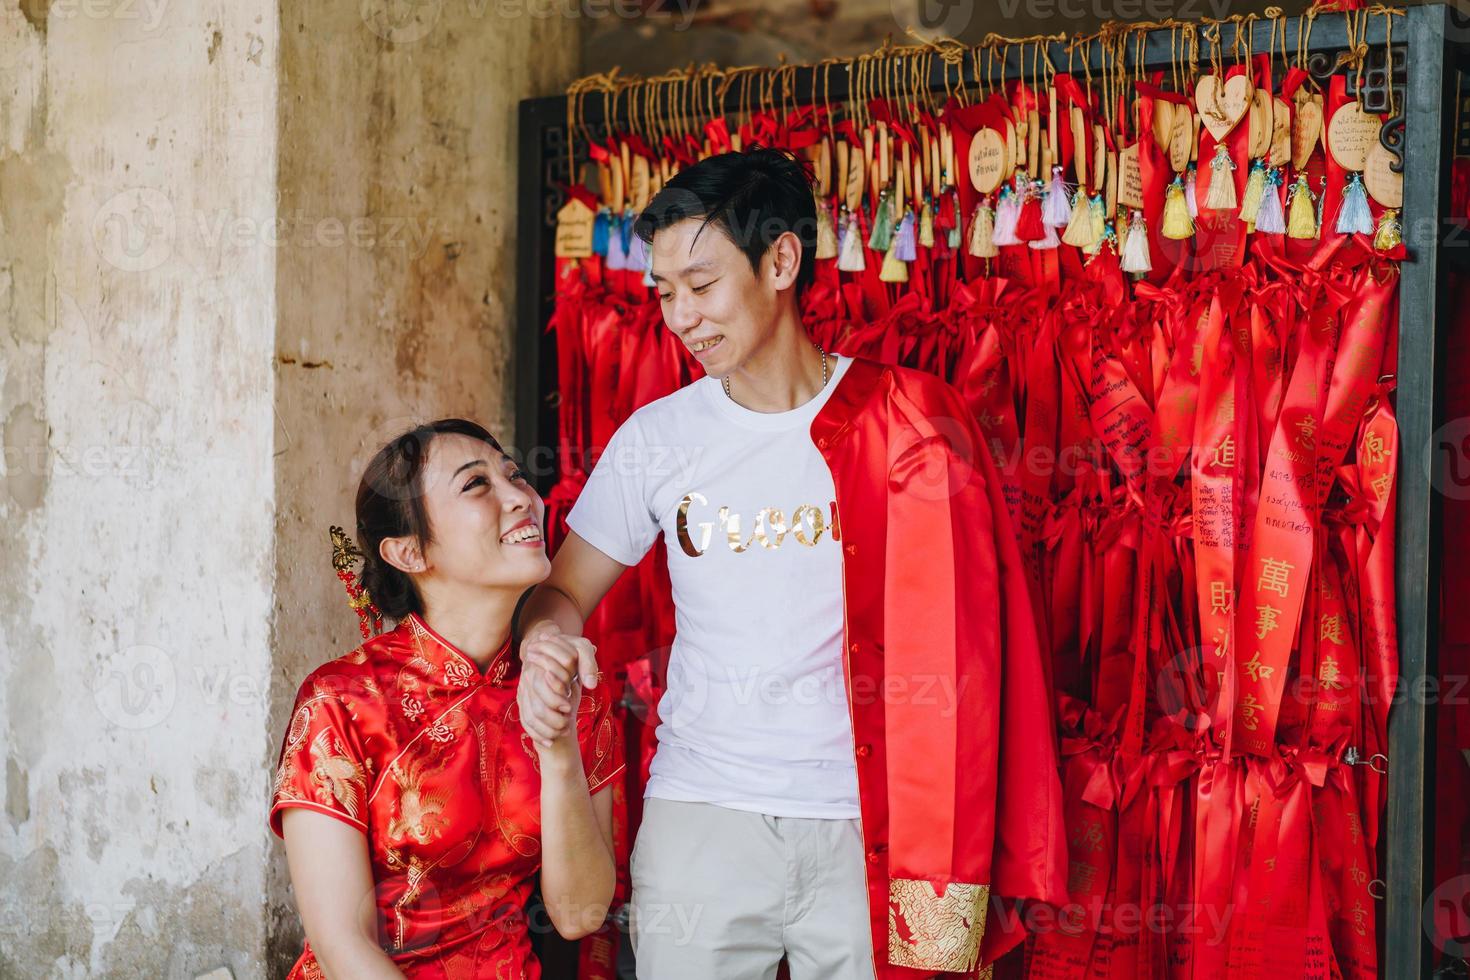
(403, 554)
(785, 254)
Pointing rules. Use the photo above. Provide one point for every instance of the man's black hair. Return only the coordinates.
(754, 197)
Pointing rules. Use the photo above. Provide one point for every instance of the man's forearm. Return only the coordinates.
(547, 603)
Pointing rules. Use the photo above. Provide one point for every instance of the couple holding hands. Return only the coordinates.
(856, 767)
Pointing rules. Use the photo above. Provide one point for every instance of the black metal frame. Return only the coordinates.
(1432, 43)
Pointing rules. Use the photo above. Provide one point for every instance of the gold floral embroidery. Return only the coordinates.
(337, 777)
(413, 708)
(457, 673)
(935, 932)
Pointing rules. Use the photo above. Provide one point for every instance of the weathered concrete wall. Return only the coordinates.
(396, 282)
(241, 243)
(136, 496)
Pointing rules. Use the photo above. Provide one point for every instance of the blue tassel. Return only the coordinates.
(904, 248)
(1355, 217)
(599, 231)
(954, 232)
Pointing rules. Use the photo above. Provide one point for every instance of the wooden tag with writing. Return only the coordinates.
(987, 160)
(1385, 186)
(574, 230)
(638, 192)
(1130, 177)
(1079, 145)
(1222, 104)
(1350, 133)
(1099, 158)
(1259, 123)
(1033, 143)
(1280, 133)
(1163, 123)
(1306, 127)
(1181, 138)
(854, 193)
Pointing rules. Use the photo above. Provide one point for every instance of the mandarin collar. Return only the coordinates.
(452, 668)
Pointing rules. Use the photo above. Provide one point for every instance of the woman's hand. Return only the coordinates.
(554, 668)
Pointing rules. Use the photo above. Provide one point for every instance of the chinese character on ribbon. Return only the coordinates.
(1274, 574)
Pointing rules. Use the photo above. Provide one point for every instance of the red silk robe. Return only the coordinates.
(955, 741)
(406, 740)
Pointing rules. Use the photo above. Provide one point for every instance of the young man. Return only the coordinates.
(856, 761)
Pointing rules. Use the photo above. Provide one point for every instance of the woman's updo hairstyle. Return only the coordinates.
(390, 504)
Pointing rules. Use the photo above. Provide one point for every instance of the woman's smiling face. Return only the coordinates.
(485, 521)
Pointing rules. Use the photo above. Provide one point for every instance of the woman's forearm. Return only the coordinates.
(351, 959)
(577, 872)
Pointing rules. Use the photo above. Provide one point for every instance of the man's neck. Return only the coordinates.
(785, 374)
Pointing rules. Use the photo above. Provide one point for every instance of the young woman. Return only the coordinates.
(415, 807)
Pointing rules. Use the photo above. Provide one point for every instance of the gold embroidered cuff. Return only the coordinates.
(940, 933)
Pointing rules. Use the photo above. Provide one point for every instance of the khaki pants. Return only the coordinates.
(721, 894)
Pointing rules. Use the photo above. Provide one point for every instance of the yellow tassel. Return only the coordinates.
(982, 233)
(1222, 181)
(926, 224)
(894, 268)
(1301, 220)
(1080, 230)
(1255, 190)
(1390, 233)
(1176, 224)
(826, 235)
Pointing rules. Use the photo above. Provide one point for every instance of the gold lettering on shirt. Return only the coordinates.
(808, 524)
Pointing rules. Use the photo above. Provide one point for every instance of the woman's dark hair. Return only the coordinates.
(754, 197)
(390, 504)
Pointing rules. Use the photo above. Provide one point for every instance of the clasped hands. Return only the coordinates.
(555, 667)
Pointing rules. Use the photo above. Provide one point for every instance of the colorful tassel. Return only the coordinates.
(1270, 219)
(1080, 230)
(826, 234)
(903, 239)
(982, 231)
(600, 226)
(926, 224)
(1390, 233)
(894, 268)
(1048, 240)
(617, 245)
(882, 233)
(957, 218)
(1108, 239)
(1177, 224)
(1355, 218)
(1135, 257)
(1302, 216)
(1029, 226)
(1255, 186)
(850, 257)
(1057, 213)
(1222, 181)
(1007, 213)
(1189, 196)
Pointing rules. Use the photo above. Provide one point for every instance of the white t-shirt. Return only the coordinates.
(755, 716)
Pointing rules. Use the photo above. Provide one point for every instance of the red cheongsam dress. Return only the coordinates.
(406, 740)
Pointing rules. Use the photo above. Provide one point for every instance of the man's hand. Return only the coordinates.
(554, 668)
